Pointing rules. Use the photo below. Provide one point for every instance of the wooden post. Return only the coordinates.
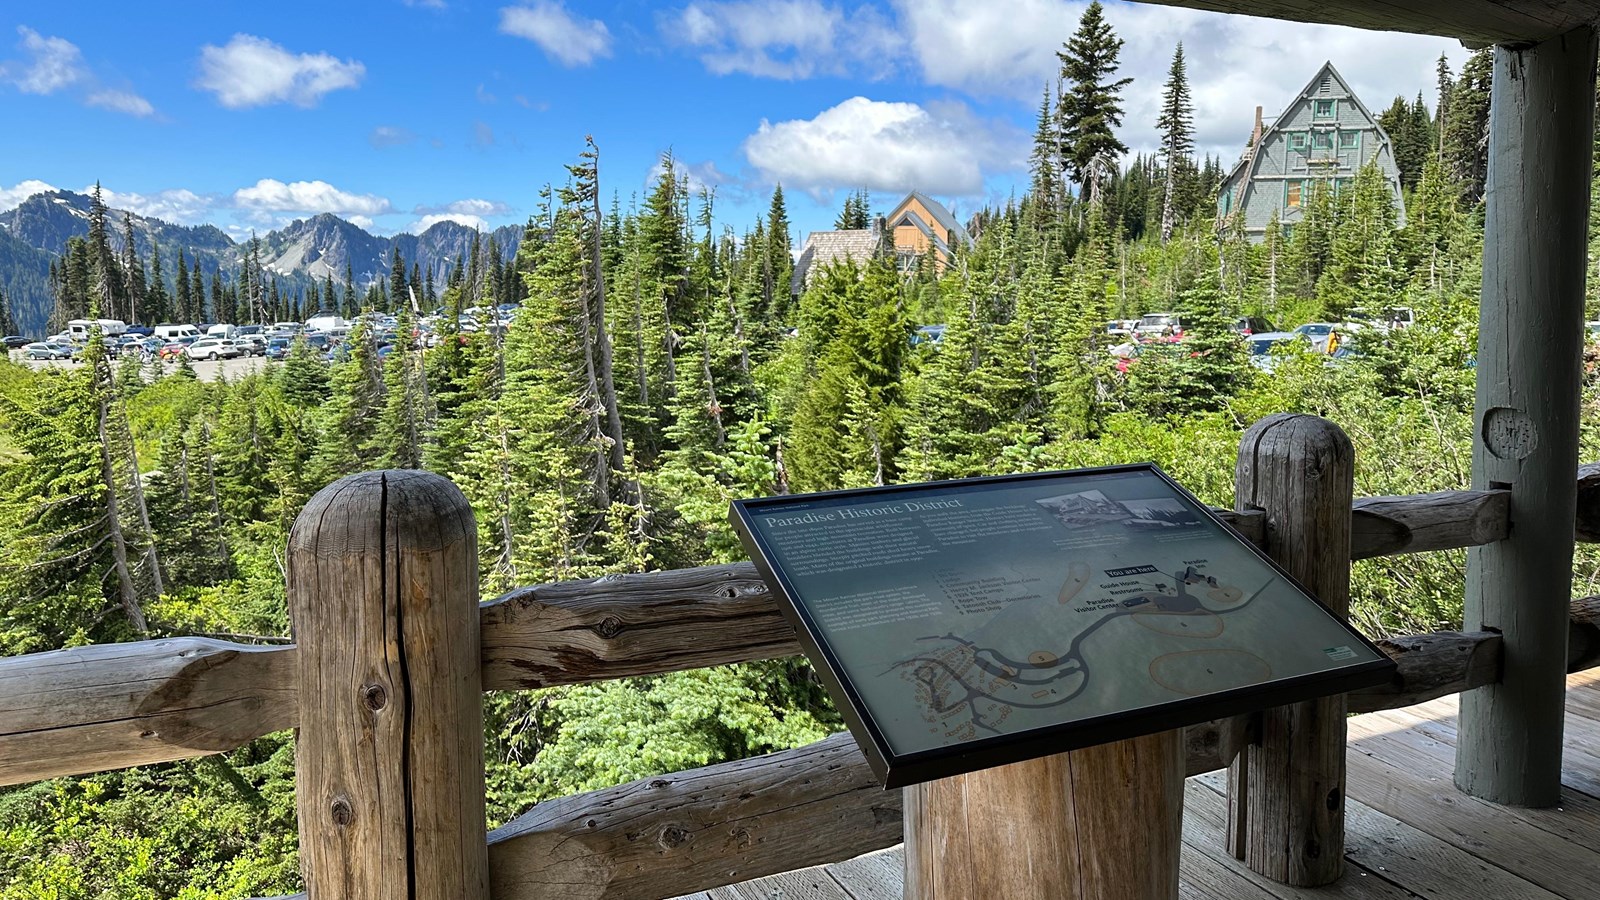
(1102, 823)
(1286, 792)
(383, 589)
(1530, 334)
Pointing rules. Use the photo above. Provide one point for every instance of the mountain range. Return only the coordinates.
(36, 232)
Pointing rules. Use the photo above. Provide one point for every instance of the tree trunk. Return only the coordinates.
(1166, 202)
(714, 408)
(119, 545)
(608, 384)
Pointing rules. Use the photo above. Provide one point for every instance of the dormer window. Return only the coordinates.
(1325, 109)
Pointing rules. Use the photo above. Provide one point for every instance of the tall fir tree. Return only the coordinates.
(1176, 125)
(1090, 108)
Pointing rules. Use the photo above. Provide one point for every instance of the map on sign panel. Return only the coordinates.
(960, 612)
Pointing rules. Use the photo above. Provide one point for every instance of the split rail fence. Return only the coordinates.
(394, 650)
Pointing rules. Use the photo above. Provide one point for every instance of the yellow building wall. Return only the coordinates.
(913, 239)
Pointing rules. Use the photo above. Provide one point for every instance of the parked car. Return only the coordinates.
(251, 344)
(1153, 325)
(1263, 345)
(278, 347)
(15, 341)
(213, 348)
(1325, 337)
(46, 350)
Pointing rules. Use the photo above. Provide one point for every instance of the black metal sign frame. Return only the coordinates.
(985, 752)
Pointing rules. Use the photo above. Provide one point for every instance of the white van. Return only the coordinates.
(327, 322)
(173, 332)
(223, 331)
(80, 329)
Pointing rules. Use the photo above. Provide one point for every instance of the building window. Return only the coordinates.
(1291, 195)
(1325, 109)
(1322, 140)
(1349, 139)
(1297, 140)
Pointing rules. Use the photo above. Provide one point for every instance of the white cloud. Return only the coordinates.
(53, 63)
(390, 136)
(785, 39)
(425, 4)
(121, 101)
(12, 197)
(1234, 62)
(363, 222)
(426, 222)
(271, 195)
(568, 39)
(253, 71)
(179, 205)
(468, 207)
(939, 149)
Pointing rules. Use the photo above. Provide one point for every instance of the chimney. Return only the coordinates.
(1255, 136)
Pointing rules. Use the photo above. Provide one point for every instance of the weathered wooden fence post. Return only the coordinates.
(1102, 823)
(1286, 792)
(1530, 337)
(383, 590)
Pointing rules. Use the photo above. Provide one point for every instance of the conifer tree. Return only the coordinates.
(1090, 108)
(1044, 162)
(159, 303)
(777, 262)
(1465, 140)
(197, 295)
(1363, 264)
(183, 303)
(402, 428)
(397, 281)
(8, 321)
(133, 275)
(1176, 126)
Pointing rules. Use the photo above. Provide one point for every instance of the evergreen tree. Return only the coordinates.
(1465, 141)
(1176, 126)
(197, 295)
(1091, 104)
(183, 294)
(397, 281)
(778, 260)
(1044, 162)
(8, 320)
(857, 212)
(159, 303)
(133, 276)
(1364, 266)
(1445, 87)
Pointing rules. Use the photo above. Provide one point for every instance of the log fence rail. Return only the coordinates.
(102, 707)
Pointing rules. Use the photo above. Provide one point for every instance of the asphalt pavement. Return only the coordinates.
(207, 370)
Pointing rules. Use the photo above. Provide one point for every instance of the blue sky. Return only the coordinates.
(393, 113)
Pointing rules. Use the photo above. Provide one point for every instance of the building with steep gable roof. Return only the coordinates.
(1325, 135)
(918, 225)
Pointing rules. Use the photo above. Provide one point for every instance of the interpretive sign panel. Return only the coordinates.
(966, 624)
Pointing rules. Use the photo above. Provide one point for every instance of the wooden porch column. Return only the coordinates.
(1286, 792)
(1102, 823)
(383, 589)
(1541, 128)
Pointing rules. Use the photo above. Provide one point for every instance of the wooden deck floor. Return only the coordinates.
(1409, 832)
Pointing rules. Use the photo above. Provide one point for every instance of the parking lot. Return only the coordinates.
(208, 371)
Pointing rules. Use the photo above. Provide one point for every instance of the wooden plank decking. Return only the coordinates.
(1409, 832)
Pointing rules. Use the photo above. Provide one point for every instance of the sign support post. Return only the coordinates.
(1100, 823)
